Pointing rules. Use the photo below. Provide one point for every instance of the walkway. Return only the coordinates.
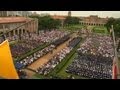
(43, 60)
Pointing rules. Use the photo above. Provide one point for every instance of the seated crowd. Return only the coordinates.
(1, 39)
(30, 59)
(61, 40)
(98, 45)
(29, 42)
(94, 59)
(118, 45)
(45, 69)
(74, 42)
(91, 66)
(22, 74)
(49, 66)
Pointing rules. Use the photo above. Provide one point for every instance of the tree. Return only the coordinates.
(46, 22)
(116, 25)
(110, 22)
(71, 20)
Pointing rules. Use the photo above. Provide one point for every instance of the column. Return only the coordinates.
(9, 34)
(13, 32)
(21, 31)
(18, 31)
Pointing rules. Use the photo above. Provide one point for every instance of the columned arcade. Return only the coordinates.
(18, 26)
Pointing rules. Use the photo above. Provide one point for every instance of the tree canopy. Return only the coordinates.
(71, 20)
(116, 25)
(46, 22)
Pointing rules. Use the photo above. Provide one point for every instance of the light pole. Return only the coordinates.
(115, 51)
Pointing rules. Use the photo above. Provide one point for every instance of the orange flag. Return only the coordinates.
(7, 68)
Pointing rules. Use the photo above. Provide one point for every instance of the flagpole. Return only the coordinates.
(115, 51)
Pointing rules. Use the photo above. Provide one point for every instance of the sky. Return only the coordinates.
(115, 14)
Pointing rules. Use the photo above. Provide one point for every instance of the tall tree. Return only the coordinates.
(46, 22)
(116, 25)
(110, 22)
(71, 20)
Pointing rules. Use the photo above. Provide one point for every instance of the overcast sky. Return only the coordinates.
(115, 14)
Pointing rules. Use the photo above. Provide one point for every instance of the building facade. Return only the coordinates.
(93, 20)
(18, 25)
(15, 13)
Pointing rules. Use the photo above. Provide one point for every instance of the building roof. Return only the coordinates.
(4, 20)
(58, 17)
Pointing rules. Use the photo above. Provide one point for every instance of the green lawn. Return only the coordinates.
(37, 76)
(63, 73)
(96, 29)
(72, 28)
(100, 29)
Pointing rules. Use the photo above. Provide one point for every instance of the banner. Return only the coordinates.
(7, 68)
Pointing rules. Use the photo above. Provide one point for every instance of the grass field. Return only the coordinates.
(96, 29)
(63, 73)
(100, 29)
(37, 76)
(72, 28)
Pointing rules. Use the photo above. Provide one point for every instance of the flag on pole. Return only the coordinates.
(7, 68)
(114, 70)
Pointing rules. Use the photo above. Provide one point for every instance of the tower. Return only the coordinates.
(69, 13)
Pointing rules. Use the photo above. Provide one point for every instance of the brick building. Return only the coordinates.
(18, 25)
(93, 20)
(15, 13)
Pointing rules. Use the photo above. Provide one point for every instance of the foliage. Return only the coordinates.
(116, 26)
(47, 22)
(71, 20)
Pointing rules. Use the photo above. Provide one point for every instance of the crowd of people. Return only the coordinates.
(61, 40)
(22, 74)
(98, 45)
(49, 66)
(74, 42)
(45, 69)
(118, 45)
(1, 39)
(30, 59)
(94, 59)
(91, 66)
(30, 41)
